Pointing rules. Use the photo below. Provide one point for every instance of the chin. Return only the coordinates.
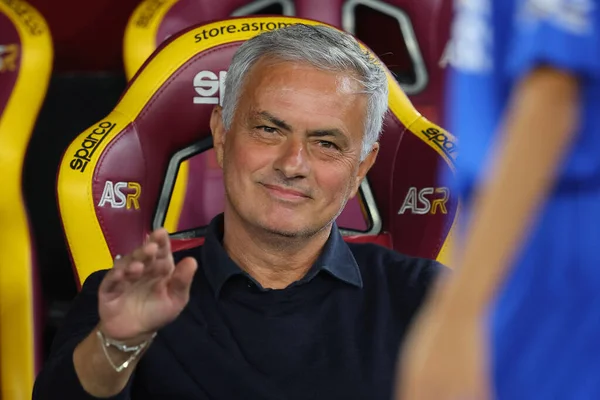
(287, 227)
(278, 219)
(295, 226)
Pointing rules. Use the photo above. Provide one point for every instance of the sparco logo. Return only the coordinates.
(86, 150)
(209, 87)
(440, 140)
(27, 16)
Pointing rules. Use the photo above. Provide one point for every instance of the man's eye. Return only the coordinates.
(327, 145)
(267, 129)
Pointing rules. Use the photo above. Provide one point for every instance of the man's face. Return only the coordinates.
(291, 158)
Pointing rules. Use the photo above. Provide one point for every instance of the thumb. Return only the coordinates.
(181, 279)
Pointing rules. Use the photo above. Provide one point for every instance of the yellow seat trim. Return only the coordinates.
(17, 344)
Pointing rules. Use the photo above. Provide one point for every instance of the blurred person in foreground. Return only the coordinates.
(520, 319)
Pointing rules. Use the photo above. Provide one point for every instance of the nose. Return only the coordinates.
(293, 160)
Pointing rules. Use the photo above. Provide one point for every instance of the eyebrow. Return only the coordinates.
(334, 132)
(328, 132)
(274, 120)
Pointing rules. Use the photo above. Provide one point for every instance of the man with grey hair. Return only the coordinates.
(274, 305)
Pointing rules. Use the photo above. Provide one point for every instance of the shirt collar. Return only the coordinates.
(336, 259)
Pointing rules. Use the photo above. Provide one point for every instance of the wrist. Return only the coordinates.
(127, 340)
(131, 352)
(126, 346)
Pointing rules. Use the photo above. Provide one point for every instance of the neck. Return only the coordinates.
(272, 260)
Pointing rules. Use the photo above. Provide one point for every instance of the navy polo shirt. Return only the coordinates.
(334, 334)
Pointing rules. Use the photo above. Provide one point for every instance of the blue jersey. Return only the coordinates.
(545, 322)
(497, 42)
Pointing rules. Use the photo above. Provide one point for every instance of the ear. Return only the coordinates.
(364, 167)
(218, 133)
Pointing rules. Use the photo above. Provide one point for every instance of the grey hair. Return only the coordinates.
(323, 47)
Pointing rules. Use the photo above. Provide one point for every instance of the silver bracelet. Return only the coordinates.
(136, 350)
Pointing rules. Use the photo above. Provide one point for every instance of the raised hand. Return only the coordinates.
(145, 290)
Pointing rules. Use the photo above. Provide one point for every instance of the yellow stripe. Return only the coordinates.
(88, 246)
(177, 198)
(139, 41)
(446, 254)
(16, 124)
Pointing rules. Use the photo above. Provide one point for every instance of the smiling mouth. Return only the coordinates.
(284, 193)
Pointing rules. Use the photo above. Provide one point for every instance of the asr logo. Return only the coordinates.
(425, 201)
(121, 195)
(8, 57)
(209, 87)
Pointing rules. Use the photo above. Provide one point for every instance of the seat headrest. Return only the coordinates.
(409, 35)
(154, 21)
(116, 178)
(25, 68)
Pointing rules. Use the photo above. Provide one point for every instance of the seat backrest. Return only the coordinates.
(25, 68)
(110, 196)
(409, 38)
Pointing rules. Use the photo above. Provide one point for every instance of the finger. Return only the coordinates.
(120, 262)
(161, 238)
(138, 263)
(112, 282)
(149, 270)
(181, 281)
(134, 270)
(146, 253)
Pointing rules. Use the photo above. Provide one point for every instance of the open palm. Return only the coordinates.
(145, 290)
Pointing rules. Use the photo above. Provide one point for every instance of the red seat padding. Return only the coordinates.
(116, 178)
(25, 67)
